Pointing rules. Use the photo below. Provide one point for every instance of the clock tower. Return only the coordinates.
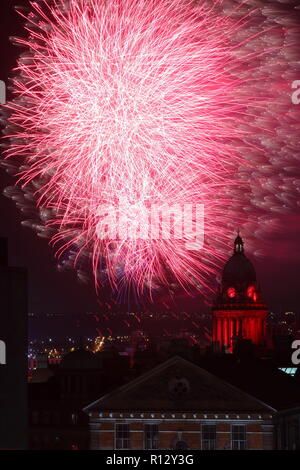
(239, 311)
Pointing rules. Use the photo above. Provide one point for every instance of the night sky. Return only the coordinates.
(52, 291)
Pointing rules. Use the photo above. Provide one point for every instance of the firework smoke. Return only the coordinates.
(135, 103)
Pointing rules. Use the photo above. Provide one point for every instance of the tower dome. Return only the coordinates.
(238, 270)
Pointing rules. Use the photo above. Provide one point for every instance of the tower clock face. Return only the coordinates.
(251, 292)
(231, 292)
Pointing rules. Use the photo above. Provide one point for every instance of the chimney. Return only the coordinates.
(3, 252)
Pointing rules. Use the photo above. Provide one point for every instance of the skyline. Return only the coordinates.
(52, 291)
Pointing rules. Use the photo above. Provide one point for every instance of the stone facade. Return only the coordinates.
(178, 405)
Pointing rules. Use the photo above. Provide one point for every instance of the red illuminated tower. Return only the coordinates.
(239, 311)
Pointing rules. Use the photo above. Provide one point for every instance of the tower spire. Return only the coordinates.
(238, 243)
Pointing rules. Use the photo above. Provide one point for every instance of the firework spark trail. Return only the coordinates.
(139, 102)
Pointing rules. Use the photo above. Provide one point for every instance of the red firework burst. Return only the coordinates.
(127, 105)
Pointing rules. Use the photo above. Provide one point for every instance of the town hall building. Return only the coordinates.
(178, 405)
(239, 312)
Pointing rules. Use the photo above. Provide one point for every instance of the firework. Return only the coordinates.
(126, 105)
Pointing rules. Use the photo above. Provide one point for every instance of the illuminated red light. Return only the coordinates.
(231, 292)
(251, 291)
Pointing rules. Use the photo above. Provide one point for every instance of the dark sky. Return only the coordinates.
(51, 291)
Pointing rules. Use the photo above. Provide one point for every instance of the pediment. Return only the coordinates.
(178, 384)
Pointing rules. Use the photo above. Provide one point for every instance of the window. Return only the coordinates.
(151, 436)
(95, 439)
(208, 437)
(74, 418)
(289, 370)
(239, 437)
(122, 436)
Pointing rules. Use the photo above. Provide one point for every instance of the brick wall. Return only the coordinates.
(259, 435)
